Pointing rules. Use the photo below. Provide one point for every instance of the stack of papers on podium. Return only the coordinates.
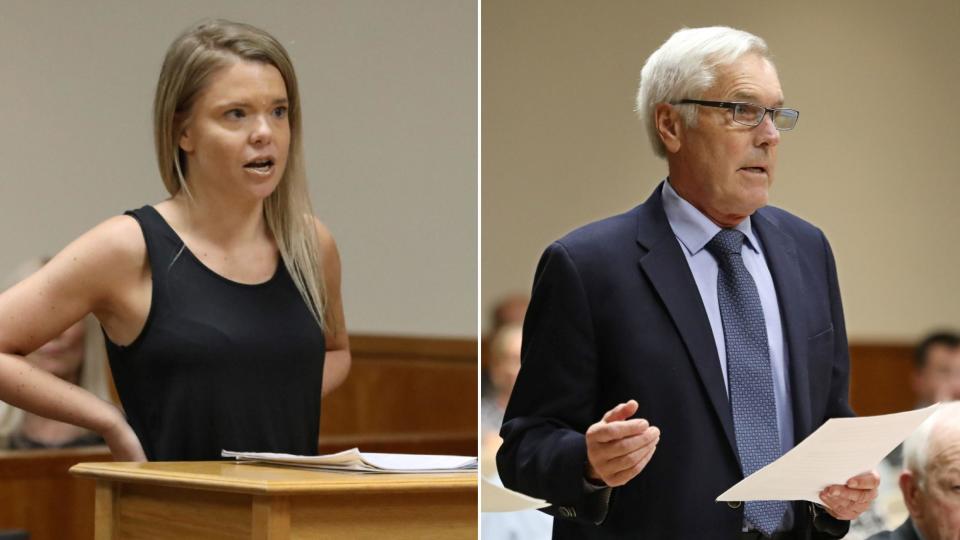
(370, 462)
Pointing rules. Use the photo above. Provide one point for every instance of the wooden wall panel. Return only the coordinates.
(880, 378)
(38, 495)
(404, 393)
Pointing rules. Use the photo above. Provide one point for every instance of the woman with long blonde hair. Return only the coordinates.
(221, 305)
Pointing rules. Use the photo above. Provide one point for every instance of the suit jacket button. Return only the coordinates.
(567, 512)
(734, 504)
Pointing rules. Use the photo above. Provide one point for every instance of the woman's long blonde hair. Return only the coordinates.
(191, 59)
(93, 370)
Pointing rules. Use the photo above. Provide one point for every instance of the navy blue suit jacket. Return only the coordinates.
(616, 315)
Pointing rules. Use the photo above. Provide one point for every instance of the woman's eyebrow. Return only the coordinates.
(277, 101)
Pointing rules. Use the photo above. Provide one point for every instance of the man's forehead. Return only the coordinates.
(944, 446)
(939, 351)
(754, 97)
(750, 78)
(946, 465)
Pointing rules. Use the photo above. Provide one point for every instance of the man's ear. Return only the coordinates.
(912, 494)
(670, 126)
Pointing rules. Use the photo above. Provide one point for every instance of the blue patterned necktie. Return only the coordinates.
(749, 375)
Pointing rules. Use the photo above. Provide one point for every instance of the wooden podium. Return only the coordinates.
(227, 500)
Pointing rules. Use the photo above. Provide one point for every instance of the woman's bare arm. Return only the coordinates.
(337, 361)
(101, 273)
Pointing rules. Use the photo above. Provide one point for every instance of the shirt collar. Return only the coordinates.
(692, 227)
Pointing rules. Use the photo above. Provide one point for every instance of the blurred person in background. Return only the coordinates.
(503, 366)
(936, 368)
(77, 356)
(509, 310)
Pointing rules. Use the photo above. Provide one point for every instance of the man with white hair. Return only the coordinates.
(930, 481)
(702, 315)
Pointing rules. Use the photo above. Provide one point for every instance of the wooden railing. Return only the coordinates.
(405, 395)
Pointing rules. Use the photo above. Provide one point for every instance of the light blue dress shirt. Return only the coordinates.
(693, 231)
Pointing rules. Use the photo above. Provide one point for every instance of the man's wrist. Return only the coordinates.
(827, 524)
(590, 473)
(592, 481)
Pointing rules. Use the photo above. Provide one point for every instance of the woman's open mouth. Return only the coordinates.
(261, 166)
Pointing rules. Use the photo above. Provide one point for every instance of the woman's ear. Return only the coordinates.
(669, 126)
(186, 141)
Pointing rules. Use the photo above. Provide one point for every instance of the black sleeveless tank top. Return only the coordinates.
(218, 364)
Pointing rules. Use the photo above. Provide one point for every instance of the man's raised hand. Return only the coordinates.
(617, 448)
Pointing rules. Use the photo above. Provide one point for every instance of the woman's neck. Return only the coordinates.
(224, 222)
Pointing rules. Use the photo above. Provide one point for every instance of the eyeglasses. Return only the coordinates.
(750, 114)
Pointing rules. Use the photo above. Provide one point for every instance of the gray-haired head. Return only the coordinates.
(685, 66)
(919, 446)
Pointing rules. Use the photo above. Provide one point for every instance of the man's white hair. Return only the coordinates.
(685, 66)
(916, 449)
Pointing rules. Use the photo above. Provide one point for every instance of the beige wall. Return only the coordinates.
(875, 160)
(389, 95)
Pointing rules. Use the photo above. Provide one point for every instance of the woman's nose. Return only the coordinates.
(262, 131)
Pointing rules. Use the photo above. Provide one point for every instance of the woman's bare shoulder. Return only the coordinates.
(92, 274)
(101, 261)
(116, 242)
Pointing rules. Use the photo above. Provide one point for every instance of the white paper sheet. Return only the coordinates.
(496, 498)
(354, 460)
(840, 449)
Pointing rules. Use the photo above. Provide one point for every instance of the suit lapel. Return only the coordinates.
(666, 267)
(781, 254)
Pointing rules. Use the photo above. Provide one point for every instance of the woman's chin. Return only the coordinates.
(261, 186)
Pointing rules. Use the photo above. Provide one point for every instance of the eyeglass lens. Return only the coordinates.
(752, 115)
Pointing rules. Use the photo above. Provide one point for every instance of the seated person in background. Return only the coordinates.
(508, 311)
(936, 369)
(503, 366)
(76, 356)
(936, 377)
(930, 481)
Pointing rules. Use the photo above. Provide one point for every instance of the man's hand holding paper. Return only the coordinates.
(850, 500)
(839, 449)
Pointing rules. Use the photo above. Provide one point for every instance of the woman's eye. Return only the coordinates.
(235, 113)
(280, 112)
